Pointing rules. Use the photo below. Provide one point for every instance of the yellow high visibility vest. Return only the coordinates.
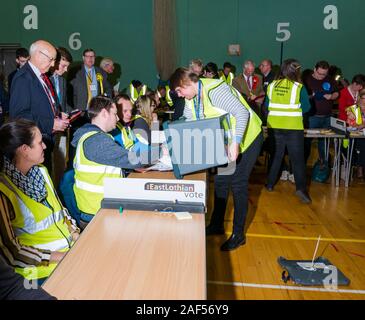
(168, 96)
(254, 125)
(128, 136)
(356, 110)
(284, 105)
(228, 79)
(134, 95)
(37, 225)
(89, 178)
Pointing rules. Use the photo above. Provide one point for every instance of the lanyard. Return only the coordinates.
(354, 96)
(197, 101)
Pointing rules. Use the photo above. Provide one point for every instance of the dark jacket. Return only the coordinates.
(62, 103)
(29, 100)
(79, 87)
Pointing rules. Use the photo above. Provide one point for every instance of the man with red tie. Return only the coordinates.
(33, 96)
(249, 84)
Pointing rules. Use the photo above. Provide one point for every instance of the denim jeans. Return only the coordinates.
(293, 140)
(320, 123)
(238, 181)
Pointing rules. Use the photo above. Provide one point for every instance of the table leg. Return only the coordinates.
(348, 162)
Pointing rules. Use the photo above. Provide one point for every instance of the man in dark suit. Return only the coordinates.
(89, 82)
(33, 97)
(267, 73)
(64, 59)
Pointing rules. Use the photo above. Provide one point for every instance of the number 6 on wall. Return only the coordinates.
(285, 32)
(74, 44)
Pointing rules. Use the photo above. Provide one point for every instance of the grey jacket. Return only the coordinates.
(79, 87)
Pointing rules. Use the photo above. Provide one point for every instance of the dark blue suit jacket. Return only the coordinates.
(29, 100)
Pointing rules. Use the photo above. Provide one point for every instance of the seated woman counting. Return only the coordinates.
(36, 230)
(209, 98)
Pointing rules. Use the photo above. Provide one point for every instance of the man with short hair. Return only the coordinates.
(267, 73)
(89, 82)
(21, 58)
(268, 76)
(249, 84)
(323, 92)
(33, 97)
(98, 156)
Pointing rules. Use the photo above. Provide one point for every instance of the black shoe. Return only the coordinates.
(234, 241)
(304, 196)
(211, 230)
(269, 188)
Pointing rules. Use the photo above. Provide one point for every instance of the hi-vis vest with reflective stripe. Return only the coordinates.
(128, 137)
(168, 96)
(356, 110)
(89, 178)
(284, 105)
(36, 225)
(253, 128)
(227, 79)
(134, 95)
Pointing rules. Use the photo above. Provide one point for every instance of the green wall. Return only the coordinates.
(123, 30)
(206, 28)
(119, 29)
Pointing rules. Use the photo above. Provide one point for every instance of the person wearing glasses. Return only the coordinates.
(287, 100)
(33, 97)
(89, 82)
(323, 91)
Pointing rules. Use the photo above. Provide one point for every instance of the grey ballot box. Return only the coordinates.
(196, 145)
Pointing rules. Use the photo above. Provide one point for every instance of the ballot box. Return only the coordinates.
(197, 145)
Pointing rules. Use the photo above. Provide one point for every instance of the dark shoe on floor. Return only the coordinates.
(234, 241)
(211, 230)
(304, 196)
(269, 188)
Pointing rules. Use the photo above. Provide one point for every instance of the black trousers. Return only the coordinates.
(238, 181)
(293, 140)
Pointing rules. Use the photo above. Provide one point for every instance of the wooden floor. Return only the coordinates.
(280, 225)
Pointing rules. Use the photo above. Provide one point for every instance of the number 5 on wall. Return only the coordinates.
(281, 29)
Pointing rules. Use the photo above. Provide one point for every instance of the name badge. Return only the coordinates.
(93, 87)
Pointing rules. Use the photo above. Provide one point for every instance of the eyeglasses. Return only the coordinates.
(51, 59)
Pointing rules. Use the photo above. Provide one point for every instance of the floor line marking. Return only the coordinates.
(280, 287)
(257, 235)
